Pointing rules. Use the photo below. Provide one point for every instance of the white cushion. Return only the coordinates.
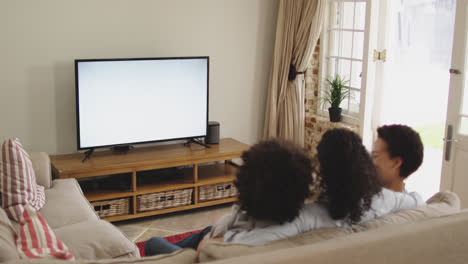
(66, 204)
(97, 239)
(42, 168)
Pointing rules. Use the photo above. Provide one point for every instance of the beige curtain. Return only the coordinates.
(297, 31)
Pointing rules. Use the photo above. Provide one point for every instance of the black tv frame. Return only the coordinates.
(133, 59)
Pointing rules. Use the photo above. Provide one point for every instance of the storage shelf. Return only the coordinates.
(218, 173)
(171, 210)
(162, 187)
(168, 184)
(106, 194)
(139, 161)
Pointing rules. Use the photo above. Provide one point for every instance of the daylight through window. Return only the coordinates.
(344, 32)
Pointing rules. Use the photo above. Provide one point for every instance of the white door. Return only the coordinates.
(412, 83)
(455, 164)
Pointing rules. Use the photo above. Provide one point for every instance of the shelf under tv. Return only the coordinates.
(201, 168)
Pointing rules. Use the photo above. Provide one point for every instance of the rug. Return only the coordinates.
(172, 239)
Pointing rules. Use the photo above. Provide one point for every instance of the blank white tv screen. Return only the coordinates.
(141, 100)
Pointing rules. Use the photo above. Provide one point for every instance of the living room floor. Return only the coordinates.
(142, 229)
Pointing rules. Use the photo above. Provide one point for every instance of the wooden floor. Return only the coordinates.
(171, 224)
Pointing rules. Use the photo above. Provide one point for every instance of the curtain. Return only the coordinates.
(297, 31)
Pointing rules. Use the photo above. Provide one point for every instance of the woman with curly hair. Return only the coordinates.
(350, 193)
(273, 183)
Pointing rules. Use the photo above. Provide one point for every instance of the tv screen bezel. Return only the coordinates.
(137, 59)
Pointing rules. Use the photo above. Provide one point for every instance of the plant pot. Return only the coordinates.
(335, 114)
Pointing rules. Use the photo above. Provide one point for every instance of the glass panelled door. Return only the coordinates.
(455, 164)
(414, 79)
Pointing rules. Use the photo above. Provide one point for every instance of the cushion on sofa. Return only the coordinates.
(18, 180)
(7, 239)
(186, 256)
(66, 204)
(42, 169)
(447, 197)
(37, 240)
(97, 239)
(212, 250)
(441, 204)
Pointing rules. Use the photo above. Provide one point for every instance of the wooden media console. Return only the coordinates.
(199, 169)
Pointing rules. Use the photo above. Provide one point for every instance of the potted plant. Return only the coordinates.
(337, 91)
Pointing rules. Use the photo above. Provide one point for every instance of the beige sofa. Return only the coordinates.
(431, 241)
(436, 233)
(72, 218)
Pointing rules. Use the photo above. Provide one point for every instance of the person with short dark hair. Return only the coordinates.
(350, 193)
(397, 153)
(273, 183)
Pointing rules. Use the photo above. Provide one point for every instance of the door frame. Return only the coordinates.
(456, 95)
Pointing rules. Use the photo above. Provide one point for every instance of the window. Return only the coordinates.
(343, 47)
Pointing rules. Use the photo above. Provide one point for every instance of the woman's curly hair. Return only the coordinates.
(274, 180)
(348, 178)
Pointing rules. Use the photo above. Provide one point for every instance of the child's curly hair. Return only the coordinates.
(274, 180)
(348, 178)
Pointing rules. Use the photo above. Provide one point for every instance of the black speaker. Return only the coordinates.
(212, 135)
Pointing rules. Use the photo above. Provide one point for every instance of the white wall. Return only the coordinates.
(39, 41)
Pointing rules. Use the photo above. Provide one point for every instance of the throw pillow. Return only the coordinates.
(96, 239)
(18, 180)
(36, 239)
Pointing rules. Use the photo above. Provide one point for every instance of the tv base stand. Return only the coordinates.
(88, 154)
(200, 168)
(192, 140)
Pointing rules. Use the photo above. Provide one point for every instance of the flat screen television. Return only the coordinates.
(140, 100)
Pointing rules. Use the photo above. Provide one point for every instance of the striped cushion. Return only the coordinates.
(36, 239)
(18, 180)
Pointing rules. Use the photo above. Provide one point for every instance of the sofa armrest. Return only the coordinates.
(41, 164)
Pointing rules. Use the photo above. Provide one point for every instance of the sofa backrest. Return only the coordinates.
(7, 239)
(441, 204)
(212, 250)
(430, 241)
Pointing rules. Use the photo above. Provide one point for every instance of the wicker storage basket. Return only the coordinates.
(217, 191)
(161, 200)
(114, 207)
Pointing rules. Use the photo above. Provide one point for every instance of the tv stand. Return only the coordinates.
(192, 140)
(131, 177)
(88, 154)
